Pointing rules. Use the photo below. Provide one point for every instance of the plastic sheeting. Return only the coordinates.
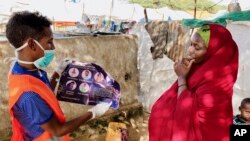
(241, 32)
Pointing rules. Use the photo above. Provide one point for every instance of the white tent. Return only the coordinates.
(244, 4)
(9, 6)
(128, 11)
(165, 12)
(59, 10)
(73, 10)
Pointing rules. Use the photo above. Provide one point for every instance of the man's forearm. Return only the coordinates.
(58, 129)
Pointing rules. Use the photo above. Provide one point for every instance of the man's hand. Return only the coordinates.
(62, 65)
(99, 109)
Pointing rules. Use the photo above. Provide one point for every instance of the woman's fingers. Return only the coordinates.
(187, 63)
(190, 63)
(176, 63)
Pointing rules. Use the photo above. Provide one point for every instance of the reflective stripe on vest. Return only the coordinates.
(21, 83)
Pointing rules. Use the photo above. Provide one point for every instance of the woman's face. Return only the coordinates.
(198, 49)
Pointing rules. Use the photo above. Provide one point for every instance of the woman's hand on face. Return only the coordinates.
(183, 67)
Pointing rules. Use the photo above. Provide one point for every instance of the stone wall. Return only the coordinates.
(116, 54)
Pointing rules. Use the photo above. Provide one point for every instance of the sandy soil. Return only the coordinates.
(137, 128)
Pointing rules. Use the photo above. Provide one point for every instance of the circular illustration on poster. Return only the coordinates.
(84, 87)
(86, 74)
(109, 80)
(70, 85)
(99, 77)
(73, 72)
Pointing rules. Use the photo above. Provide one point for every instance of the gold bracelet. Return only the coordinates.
(182, 85)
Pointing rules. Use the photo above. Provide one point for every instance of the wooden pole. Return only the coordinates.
(195, 8)
(145, 15)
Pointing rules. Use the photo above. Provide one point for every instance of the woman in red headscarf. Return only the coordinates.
(198, 106)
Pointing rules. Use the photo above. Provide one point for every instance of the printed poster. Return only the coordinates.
(88, 84)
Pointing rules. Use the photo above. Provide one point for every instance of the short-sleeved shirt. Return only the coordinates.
(31, 110)
(238, 120)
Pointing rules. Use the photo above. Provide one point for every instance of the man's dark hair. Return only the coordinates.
(244, 102)
(25, 24)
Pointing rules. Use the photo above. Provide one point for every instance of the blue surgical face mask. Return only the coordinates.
(41, 62)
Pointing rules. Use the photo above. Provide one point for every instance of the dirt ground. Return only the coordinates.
(137, 130)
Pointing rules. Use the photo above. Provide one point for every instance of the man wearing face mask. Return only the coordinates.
(34, 109)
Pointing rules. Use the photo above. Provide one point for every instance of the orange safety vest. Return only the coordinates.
(21, 83)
